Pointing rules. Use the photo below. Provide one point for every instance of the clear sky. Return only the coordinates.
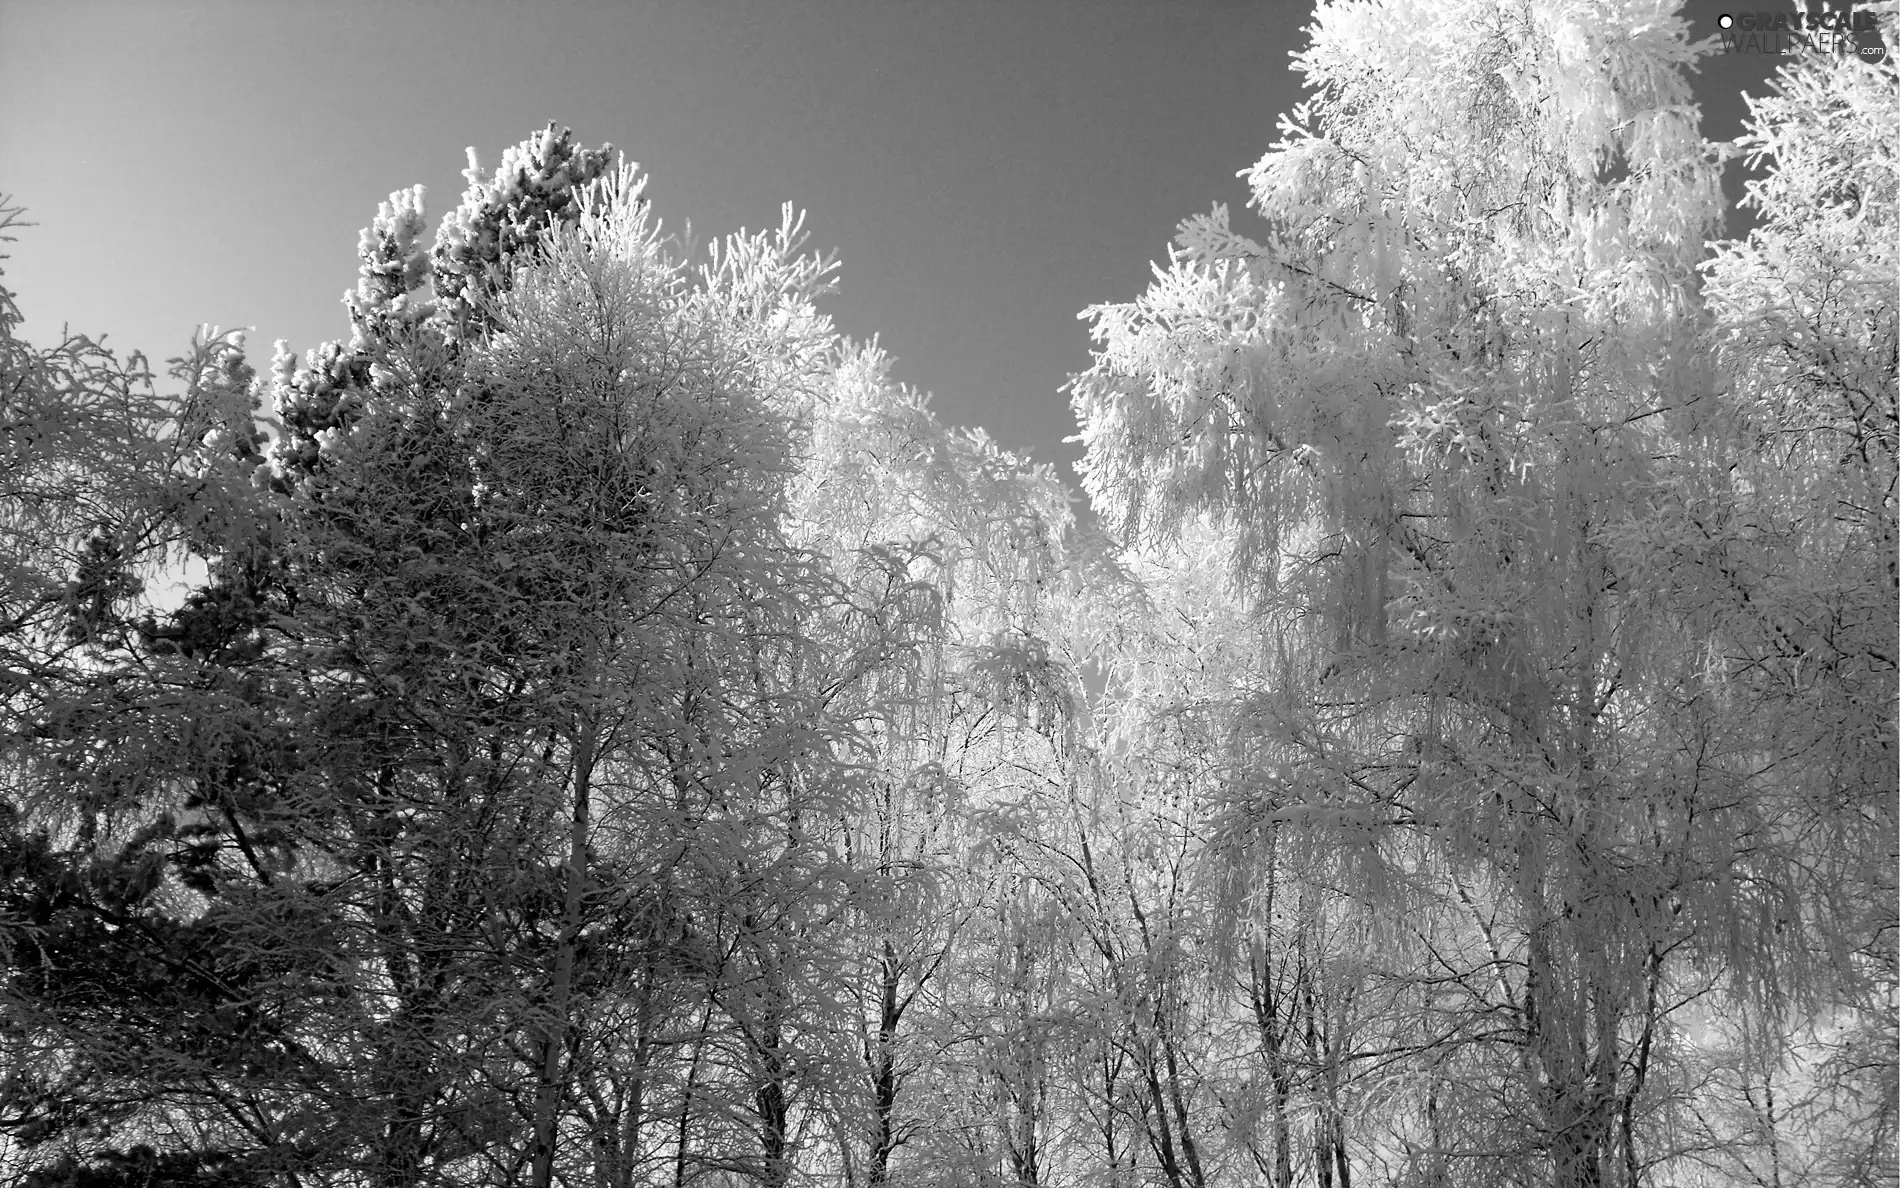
(983, 168)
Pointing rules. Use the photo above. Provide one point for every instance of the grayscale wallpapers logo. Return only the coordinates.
(1841, 32)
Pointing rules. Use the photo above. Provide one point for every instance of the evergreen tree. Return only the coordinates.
(508, 609)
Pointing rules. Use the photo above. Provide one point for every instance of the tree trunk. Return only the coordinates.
(774, 1109)
(556, 1027)
(1282, 1128)
(405, 1065)
(884, 1078)
(686, 1098)
(1178, 1100)
(1574, 1101)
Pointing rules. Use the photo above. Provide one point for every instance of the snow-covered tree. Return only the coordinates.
(953, 551)
(1443, 405)
(1788, 544)
(495, 715)
(591, 725)
(108, 487)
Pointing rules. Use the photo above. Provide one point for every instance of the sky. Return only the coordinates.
(984, 169)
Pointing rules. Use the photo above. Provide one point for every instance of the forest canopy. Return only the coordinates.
(590, 725)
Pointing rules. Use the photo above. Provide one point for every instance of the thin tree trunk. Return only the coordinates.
(1189, 1147)
(884, 1069)
(634, 1115)
(1574, 1107)
(554, 1031)
(686, 1098)
(405, 1065)
(1161, 1136)
(774, 1109)
(1340, 1162)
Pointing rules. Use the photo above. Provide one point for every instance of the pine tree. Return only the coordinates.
(491, 703)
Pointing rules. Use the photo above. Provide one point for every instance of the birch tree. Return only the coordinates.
(953, 549)
(1428, 404)
(1790, 543)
